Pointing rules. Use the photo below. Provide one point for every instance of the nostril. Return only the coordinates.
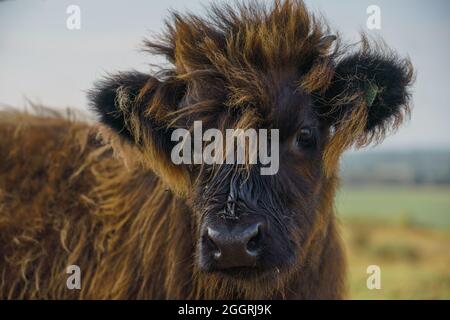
(209, 240)
(254, 243)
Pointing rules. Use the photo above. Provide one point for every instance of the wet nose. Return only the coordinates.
(238, 247)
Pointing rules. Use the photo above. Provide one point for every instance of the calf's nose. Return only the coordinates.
(238, 247)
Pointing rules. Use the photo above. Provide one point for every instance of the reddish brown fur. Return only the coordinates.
(128, 221)
(72, 202)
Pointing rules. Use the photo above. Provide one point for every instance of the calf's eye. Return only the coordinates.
(305, 136)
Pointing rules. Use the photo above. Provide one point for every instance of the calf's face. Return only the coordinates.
(252, 224)
(264, 68)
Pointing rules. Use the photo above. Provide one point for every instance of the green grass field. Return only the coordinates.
(425, 206)
(403, 230)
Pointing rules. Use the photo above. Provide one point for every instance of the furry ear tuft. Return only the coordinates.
(133, 107)
(113, 100)
(368, 97)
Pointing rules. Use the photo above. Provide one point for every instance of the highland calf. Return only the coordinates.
(142, 227)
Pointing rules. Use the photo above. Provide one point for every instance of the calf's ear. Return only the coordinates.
(367, 97)
(132, 107)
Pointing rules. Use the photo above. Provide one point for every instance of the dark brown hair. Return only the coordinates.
(132, 222)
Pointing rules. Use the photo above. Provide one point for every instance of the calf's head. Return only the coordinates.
(256, 67)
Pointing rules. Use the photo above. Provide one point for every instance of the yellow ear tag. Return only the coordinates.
(371, 93)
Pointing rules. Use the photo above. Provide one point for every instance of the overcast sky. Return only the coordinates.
(44, 61)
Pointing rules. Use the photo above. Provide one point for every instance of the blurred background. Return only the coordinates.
(394, 203)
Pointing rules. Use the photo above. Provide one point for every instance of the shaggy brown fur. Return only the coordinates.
(132, 222)
(72, 202)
